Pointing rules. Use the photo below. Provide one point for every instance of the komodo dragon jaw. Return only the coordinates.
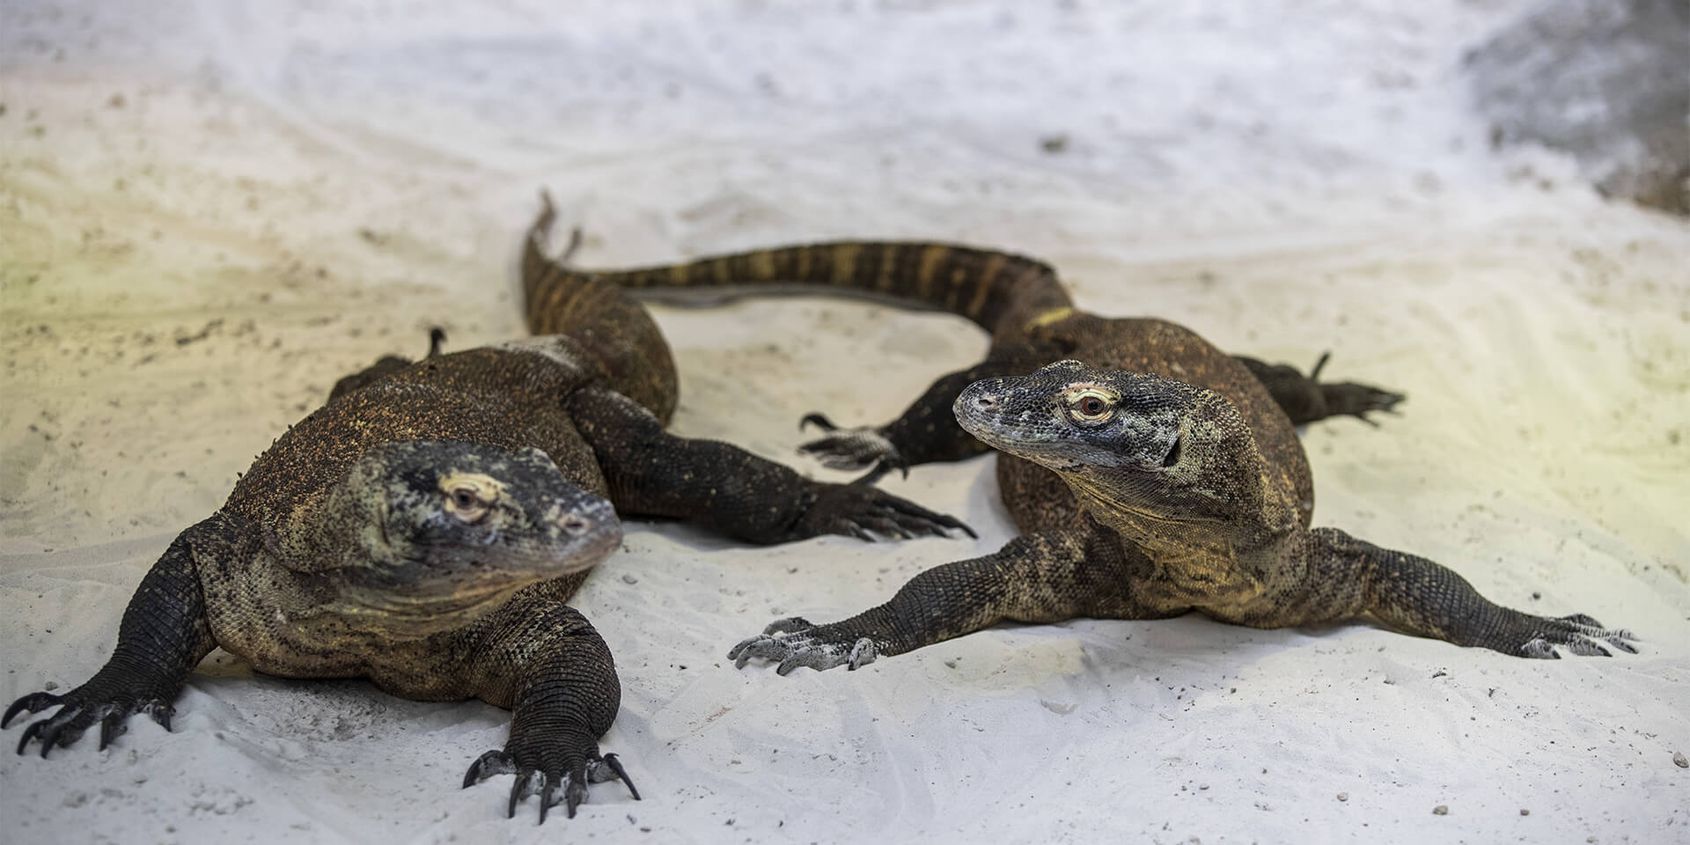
(450, 530)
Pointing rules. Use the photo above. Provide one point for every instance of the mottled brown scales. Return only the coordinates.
(1190, 492)
(426, 527)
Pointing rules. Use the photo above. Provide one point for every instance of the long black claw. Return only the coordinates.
(29, 733)
(1314, 373)
(881, 469)
(111, 726)
(516, 793)
(50, 736)
(574, 794)
(489, 764)
(161, 714)
(546, 793)
(819, 420)
(35, 702)
(621, 774)
(436, 339)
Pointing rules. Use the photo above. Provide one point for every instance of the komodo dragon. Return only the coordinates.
(1140, 496)
(425, 528)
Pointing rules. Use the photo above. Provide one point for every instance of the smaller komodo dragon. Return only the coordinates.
(426, 526)
(1158, 477)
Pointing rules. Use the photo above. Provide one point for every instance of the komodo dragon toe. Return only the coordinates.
(542, 765)
(108, 704)
(862, 510)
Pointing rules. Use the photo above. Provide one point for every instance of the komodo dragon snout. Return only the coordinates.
(1068, 416)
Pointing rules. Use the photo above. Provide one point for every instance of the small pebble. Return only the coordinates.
(629, 579)
(1677, 758)
(1441, 810)
(53, 685)
(1525, 812)
(1343, 796)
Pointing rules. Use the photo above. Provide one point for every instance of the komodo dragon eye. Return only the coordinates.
(464, 504)
(1089, 405)
(469, 496)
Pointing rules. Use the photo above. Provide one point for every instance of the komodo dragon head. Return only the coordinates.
(1153, 457)
(434, 533)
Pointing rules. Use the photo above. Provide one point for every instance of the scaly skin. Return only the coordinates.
(1173, 497)
(1233, 542)
(427, 526)
(1018, 300)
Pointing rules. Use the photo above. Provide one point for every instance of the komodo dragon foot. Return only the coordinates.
(571, 763)
(852, 448)
(796, 642)
(1540, 636)
(108, 702)
(861, 510)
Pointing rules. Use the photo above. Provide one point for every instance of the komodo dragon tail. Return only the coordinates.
(559, 299)
(997, 290)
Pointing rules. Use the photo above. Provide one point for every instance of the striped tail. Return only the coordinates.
(997, 290)
(619, 332)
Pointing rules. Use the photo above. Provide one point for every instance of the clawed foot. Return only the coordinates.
(861, 510)
(797, 642)
(79, 710)
(852, 448)
(1578, 634)
(1351, 399)
(544, 769)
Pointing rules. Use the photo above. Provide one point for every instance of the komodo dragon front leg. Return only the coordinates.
(164, 634)
(927, 432)
(651, 472)
(1345, 578)
(1049, 576)
(543, 660)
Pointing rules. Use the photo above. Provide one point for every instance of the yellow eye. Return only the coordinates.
(469, 495)
(465, 504)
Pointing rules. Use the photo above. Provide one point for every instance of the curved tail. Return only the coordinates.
(997, 290)
(559, 299)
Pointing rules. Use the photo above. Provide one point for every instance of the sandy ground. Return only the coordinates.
(209, 211)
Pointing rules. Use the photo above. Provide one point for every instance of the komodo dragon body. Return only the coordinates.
(1158, 477)
(426, 526)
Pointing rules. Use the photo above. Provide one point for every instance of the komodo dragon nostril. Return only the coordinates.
(575, 525)
(986, 400)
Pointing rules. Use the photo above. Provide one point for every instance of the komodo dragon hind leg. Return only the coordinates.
(565, 697)
(1307, 399)
(1045, 577)
(164, 634)
(1348, 577)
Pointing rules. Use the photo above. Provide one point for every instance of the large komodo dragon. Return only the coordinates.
(425, 528)
(1158, 477)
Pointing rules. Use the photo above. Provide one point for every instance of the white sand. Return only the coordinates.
(209, 211)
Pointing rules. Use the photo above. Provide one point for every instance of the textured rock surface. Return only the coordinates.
(1605, 80)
